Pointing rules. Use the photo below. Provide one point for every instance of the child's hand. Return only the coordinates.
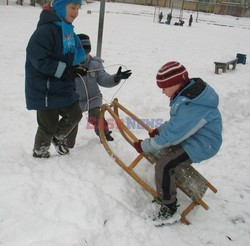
(153, 133)
(122, 75)
(137, 146)
(73, 72)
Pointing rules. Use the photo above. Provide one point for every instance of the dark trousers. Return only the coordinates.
(93, 119)
(50, 124)
(166, 167)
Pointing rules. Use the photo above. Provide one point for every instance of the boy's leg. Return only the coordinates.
(47, 122)
(165, 170)
(173, 159)
(70, 118)
(94, 117)
(71, 138)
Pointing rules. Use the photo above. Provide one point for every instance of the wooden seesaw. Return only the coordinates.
(188, 179)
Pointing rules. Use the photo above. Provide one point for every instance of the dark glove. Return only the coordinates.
(122, 75)
(153, 133)
(137, 146)
(73, 72)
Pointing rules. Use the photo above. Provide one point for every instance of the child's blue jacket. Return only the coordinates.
(195, 123)
(45, 64)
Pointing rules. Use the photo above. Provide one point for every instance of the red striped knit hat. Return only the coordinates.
(170, 74)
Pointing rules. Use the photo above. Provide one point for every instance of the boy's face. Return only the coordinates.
(169, 91)
(72, 12)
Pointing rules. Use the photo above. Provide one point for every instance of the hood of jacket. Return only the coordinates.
(47, 16)
(198, 92)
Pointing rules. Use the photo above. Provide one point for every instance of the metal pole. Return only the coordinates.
(181, 12)
(198, 9)
(100, 29)
(154, 14)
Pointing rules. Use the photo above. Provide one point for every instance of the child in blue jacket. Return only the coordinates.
(192, 134)
(53, 56)
(87, 88)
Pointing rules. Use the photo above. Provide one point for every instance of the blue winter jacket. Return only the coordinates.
(195, 123)
(45, 64)
(88, 90)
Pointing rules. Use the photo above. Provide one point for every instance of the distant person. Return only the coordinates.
(190, 20)
(32, 3)
(169, 18)
(160, 17)
(87, 87)
(180, 23)
(53, 56)
(192, 134)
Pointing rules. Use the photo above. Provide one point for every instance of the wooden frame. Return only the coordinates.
(185, 179)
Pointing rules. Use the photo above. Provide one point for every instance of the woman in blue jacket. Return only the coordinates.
(192, 134)
(52, 58)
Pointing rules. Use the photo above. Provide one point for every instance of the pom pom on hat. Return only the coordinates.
(60, 6)
(85, 41)
(170, 74)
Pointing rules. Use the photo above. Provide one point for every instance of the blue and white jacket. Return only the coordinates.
(195, 123)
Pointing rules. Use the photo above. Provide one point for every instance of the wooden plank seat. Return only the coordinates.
(188, 179)
(225, 65)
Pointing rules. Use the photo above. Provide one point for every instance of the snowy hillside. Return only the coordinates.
(85, 198)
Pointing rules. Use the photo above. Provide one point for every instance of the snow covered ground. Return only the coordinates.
(85, 198)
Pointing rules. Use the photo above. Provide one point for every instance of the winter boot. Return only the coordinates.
(108, 136)
(41, 153)
(167, 215)
(167, 211)
(60, 146)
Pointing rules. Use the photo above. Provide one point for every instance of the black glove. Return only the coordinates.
(73, 72)
(122, 75)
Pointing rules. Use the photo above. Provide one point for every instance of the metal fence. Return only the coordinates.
(211, 6)
(23, 2)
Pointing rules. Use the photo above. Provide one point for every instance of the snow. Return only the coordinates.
(85, 198)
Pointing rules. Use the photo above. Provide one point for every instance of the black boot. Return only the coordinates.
(166, 215)
(167, 210)
(60, 146)
(41, 153)
(108, 136)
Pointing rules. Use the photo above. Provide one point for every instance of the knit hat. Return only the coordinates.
(60, 6)
(170, 74)
(85, 41)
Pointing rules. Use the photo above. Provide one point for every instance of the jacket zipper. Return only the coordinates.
(47, 92)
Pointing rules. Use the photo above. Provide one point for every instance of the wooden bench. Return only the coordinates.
(225, 65)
